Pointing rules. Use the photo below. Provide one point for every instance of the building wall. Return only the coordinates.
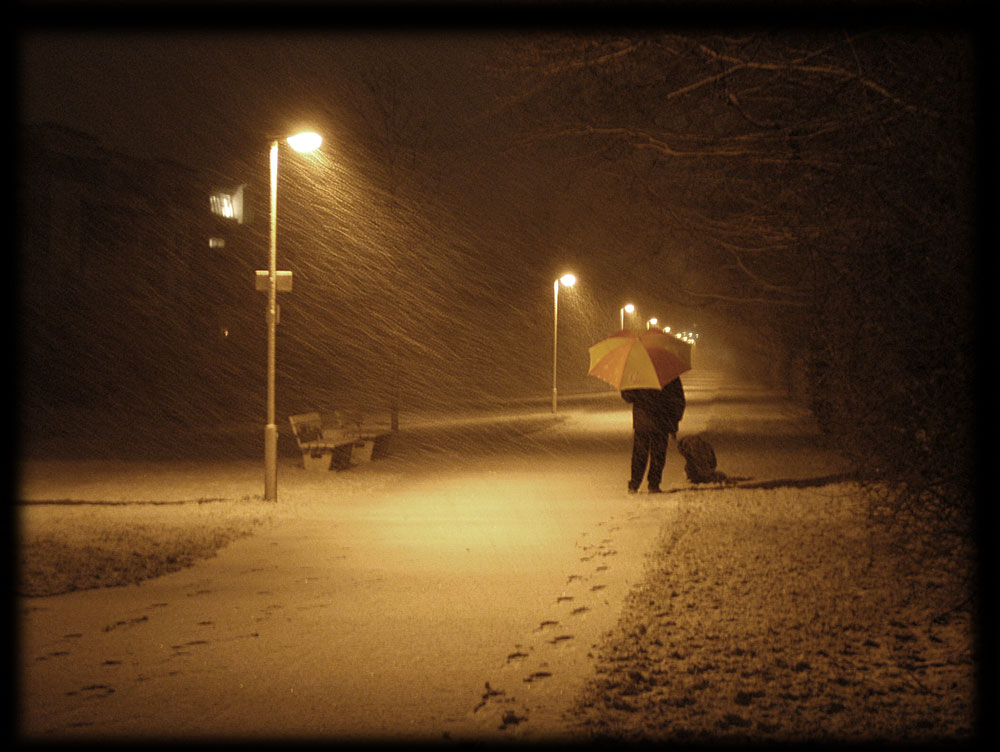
(121, 301)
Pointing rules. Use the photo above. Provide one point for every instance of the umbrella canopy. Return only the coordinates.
(628, 360)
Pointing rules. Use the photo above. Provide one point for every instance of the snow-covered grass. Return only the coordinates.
(82, 545)
(781, 615)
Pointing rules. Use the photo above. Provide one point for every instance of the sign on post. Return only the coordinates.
(284, 281)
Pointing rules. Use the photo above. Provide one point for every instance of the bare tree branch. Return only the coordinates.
(642, 139)
(566, 64)
(741, 300)
(737, 64)
(783, 289)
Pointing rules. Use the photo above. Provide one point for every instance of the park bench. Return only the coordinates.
(338, 439)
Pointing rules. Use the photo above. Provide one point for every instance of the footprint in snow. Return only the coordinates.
(510, 718)
(536, 675)
(94, 690)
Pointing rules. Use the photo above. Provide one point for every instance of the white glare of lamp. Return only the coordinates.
(305, 142)
(568, 280)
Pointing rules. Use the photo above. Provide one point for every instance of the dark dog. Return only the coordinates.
(699, 460)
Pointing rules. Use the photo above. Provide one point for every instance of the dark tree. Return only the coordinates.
(818, 186)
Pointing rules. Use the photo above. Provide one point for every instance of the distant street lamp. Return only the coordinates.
(627, 308)
(301, 142)
(651, 322)
(567, 280)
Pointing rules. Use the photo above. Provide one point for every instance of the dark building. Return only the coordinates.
(135, 301)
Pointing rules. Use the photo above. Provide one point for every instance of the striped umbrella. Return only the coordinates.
(628, 360)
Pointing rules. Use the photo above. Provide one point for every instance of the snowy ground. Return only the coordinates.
(773, 615)
(489, 580)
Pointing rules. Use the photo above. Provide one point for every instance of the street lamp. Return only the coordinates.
(568, 280)
(651, 322)
(627, 308)
(301, 142)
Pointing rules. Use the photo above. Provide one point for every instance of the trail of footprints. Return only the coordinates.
(568, 608)
(99, 689)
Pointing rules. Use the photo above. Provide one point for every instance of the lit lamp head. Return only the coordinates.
(568, 280)
(305, 142)
(629, 308)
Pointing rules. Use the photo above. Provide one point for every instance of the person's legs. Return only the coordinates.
(657, 458)
(640, 456)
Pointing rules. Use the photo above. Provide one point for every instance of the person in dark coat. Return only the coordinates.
(656, 414)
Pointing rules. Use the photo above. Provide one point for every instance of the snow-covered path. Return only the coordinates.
(380, 601)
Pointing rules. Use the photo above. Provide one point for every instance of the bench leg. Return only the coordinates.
(362, 452)
(341, 457)
(320, 461)
(381, 448)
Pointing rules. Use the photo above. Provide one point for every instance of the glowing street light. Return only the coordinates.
(305, 142)
(567, 280)
(651, 322)
(301, 142)
(627, 308)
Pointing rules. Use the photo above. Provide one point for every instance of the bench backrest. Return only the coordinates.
(349, 418)
(306, 426)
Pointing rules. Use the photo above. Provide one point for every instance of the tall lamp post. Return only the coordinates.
(567, 280)
(301, 142)
(627, 308)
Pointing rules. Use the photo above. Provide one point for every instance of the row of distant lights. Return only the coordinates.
(568, 280)
(690, 337)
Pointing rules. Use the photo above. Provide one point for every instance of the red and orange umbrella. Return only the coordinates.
(629, 360)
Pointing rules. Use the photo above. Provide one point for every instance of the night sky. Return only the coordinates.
(193, 95)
